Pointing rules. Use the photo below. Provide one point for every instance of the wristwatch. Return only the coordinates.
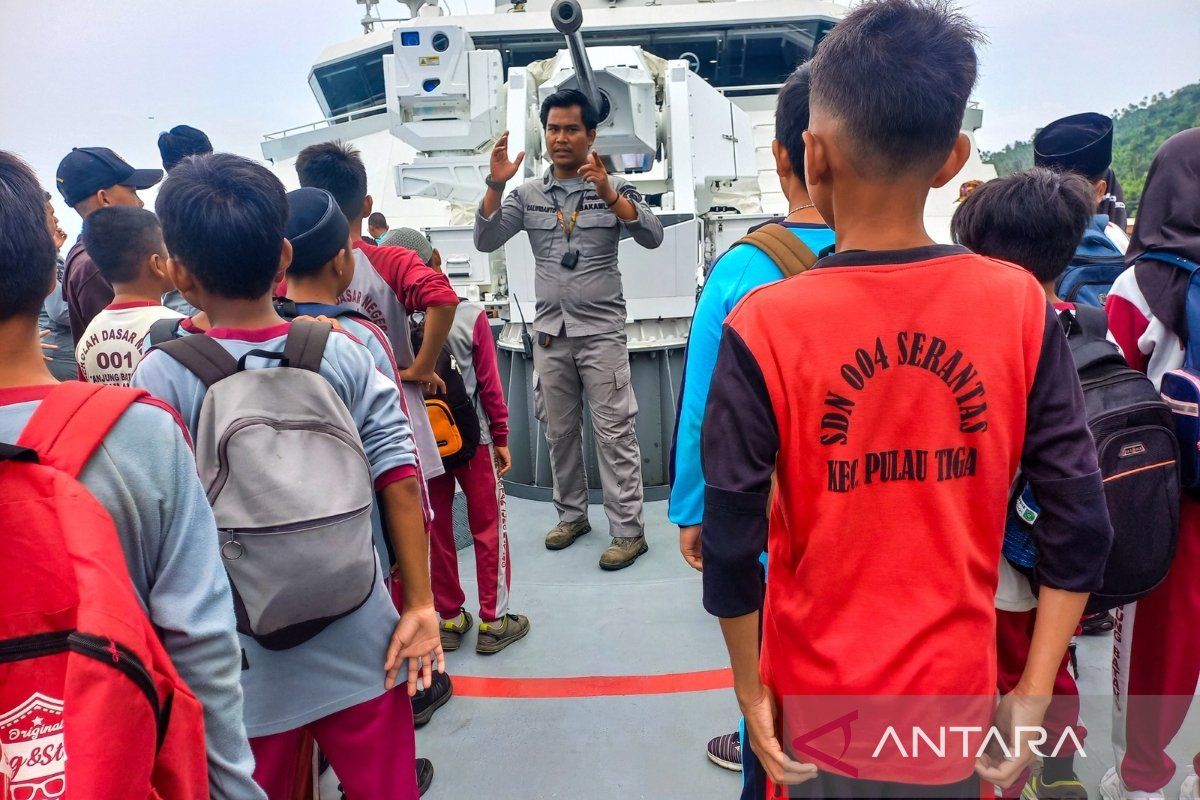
(495, 184)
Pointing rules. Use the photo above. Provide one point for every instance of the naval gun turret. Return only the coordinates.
(682, 143)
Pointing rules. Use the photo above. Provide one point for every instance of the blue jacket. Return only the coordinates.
(743, 268)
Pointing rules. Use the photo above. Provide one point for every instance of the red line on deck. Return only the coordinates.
(592, 686)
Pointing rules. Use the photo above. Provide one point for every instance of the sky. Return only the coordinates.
(115, 73)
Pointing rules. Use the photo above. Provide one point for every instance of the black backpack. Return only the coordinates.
(1139, 462)
(452, 415)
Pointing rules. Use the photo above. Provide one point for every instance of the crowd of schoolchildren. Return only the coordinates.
(277, 526)
(208, 542)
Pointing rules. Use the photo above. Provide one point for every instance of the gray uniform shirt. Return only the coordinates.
(588, 299)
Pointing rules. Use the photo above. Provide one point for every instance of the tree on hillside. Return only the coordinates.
(1138, 131)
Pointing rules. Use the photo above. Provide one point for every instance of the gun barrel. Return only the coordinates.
(568, 19)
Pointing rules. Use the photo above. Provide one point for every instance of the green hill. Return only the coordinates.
(1138, 130)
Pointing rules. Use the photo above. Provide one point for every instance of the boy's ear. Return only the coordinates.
(816, 160)
(341, 262)
(954, 162)
(435, 260)
(285, 260)
(368, 206)
(784, 167)
(158, 266)
(180, 276)
(1101, 187)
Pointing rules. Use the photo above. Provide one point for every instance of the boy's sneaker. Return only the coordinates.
(726, 751)
(430, 699)
(1190, 789)
(453, 630)
(1036, 789)
(495, 636)
(1113, 788)
(623, 552)
(564, 534)
(424, 775)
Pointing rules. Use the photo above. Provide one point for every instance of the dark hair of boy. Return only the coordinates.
(377, 220)
(338, 169)
(27, 252)
(223, 218)
(180, 142)
(899, 75)
(791, 116)
(119, 239)
(570, 98)
(1033, 218)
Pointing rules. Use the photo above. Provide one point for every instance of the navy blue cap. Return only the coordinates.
(87, 170)
(1079, 143)
(316, 227)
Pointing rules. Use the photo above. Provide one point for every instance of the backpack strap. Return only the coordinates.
(791, 255)
(72, 421)
(286, 308)
(163, 330)
(202, 356)
(1192, 303)
(12, 452)
(305, 344)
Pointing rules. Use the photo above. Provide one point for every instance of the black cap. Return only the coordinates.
(316, 227)
(87, 170)
(1079, 143)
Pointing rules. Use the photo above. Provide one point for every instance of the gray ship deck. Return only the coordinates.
(644, 621)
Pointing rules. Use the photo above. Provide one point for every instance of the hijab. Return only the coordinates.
(1168, 220)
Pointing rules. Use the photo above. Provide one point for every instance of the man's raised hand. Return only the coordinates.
(595, 173)
(503, 168)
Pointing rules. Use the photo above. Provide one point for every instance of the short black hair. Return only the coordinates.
(569, 98)
(377, 220)
(180, 142)
(27, 251)
(119, 239)
(1033, 218)
(338, 169)
(791, 117)
(223, 216)
(897, 74)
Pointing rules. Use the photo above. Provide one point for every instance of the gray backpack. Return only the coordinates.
(285, 471)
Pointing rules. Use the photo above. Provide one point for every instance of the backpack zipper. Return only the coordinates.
(326, 428)
(237, 549)
(94, 647)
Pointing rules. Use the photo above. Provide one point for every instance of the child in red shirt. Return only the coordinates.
(883, 401)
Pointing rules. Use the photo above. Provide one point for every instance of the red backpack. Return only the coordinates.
(90, 706)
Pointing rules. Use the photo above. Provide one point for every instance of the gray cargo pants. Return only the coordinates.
(598, 366)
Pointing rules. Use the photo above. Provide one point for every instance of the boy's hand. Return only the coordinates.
(759, 712)
(430, 382)
(42, 334)
(689, 545)
(1015, 711)
(503, 460)
(417, 639)
(595, 173)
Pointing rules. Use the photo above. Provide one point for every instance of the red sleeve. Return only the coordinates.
(487, 378)
(395, 475)
(1127, 324)
(417, 285)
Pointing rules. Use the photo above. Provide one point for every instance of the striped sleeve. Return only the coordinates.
(1128, 319)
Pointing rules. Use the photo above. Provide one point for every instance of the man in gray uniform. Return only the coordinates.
(574, 215)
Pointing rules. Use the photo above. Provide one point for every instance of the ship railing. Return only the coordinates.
(328, 122)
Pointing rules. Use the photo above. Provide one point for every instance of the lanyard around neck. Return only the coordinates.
(562, 220)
